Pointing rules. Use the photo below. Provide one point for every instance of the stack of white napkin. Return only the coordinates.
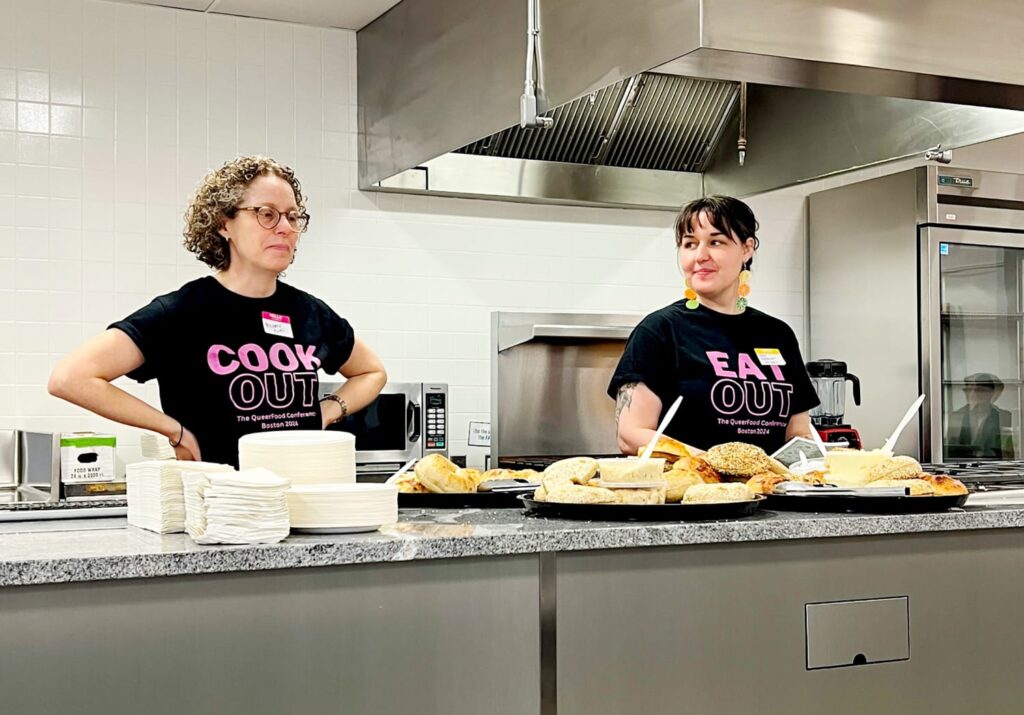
(156, 446)
(342, 507)
(156, 499)
(302, 456)
(246, 507)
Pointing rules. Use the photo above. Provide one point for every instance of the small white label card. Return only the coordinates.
(276, 324)
(479, 434)
(769, 356)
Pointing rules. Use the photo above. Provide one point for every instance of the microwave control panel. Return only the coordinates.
(436, 429)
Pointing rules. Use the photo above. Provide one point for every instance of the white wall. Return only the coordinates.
(111, 113)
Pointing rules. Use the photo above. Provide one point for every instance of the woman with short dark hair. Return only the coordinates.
(235, 352)
(739, 370)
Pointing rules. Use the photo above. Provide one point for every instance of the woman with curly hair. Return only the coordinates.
(235, 352)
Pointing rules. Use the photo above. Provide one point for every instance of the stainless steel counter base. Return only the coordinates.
(458, 637)
(717, 628)
(721, 629)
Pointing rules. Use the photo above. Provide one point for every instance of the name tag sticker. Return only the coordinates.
(275, 324)
(769, 356)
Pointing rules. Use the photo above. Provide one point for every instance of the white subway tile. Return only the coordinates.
(32, 149)
(65, 183)
(162, 97)
(65, 275)
(31, 337)
(66, 120)
(8, 84)
(98, 155)
(130, 247)
(98, 307)
(99, 245)
(97, 277)
(65, 213)
(66, 307)
(31, 274)
(66, 152)
(98, 91)
(31, 53)
(32, 243)
(32, 306)
(33, 117)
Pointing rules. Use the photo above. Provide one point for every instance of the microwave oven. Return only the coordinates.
(408, 420)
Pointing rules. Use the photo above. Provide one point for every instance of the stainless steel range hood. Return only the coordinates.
(645, 94)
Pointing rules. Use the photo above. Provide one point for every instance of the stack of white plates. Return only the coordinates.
(155, 498)
(246, 507)
(301, 456)
(156, 446)
(342, 508)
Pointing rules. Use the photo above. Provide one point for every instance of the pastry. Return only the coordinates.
(895, 468)
(717, 493)
(640, 496)
(671, 450)
(944, 484)
(569, 493)
(766, 482)
(741, 460)
(439, 475)
(578, 470)
(678, 481)
(917, 487)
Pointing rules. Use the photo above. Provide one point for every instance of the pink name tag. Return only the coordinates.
(275, 324)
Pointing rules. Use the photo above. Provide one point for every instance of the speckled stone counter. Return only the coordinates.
(107, 549)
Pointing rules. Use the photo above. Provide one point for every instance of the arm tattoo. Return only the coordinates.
(624, 399)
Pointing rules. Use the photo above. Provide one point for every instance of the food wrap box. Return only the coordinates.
(87, 457)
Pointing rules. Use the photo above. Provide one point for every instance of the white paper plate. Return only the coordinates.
(335, 529)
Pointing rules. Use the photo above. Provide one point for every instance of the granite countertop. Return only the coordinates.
(106, 549)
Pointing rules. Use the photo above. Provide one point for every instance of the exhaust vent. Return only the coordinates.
(649, 121)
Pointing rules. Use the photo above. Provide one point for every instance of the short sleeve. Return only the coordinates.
(149, 328)
(804, 395)
(648, 358)
(339, 339)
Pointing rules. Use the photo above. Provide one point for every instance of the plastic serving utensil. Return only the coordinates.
(891, 442)
(661, 428)
(818, 441)
(405, 468)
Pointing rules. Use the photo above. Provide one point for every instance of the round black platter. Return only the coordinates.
(640, 512)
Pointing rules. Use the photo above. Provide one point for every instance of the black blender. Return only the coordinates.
(829, 378)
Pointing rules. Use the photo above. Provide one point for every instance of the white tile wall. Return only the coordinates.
(111, 113)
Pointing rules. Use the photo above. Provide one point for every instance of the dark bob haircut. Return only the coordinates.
(730, 216)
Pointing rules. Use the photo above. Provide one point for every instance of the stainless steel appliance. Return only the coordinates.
(918, 279)
(408, 420)
(549, 373)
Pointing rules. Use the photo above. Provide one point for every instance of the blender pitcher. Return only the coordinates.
(829, 379)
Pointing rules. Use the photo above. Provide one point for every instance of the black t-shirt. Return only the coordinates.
(741, 376)
(228, 365)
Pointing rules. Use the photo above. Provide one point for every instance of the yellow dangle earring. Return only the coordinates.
(691, 295)
(742, 302)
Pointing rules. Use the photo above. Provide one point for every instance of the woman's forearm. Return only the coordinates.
(357, 392)
(631, 441)
(100, 397)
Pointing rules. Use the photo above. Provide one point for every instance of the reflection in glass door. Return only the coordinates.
(981, 323)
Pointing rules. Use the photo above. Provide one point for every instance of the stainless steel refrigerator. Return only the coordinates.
(916, 280)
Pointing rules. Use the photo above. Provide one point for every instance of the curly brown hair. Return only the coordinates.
(216, 199)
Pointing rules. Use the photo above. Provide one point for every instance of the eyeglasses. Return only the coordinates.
(269, 217)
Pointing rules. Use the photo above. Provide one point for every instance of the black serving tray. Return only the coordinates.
(858, 504)
(641, 512)
(459, 500)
